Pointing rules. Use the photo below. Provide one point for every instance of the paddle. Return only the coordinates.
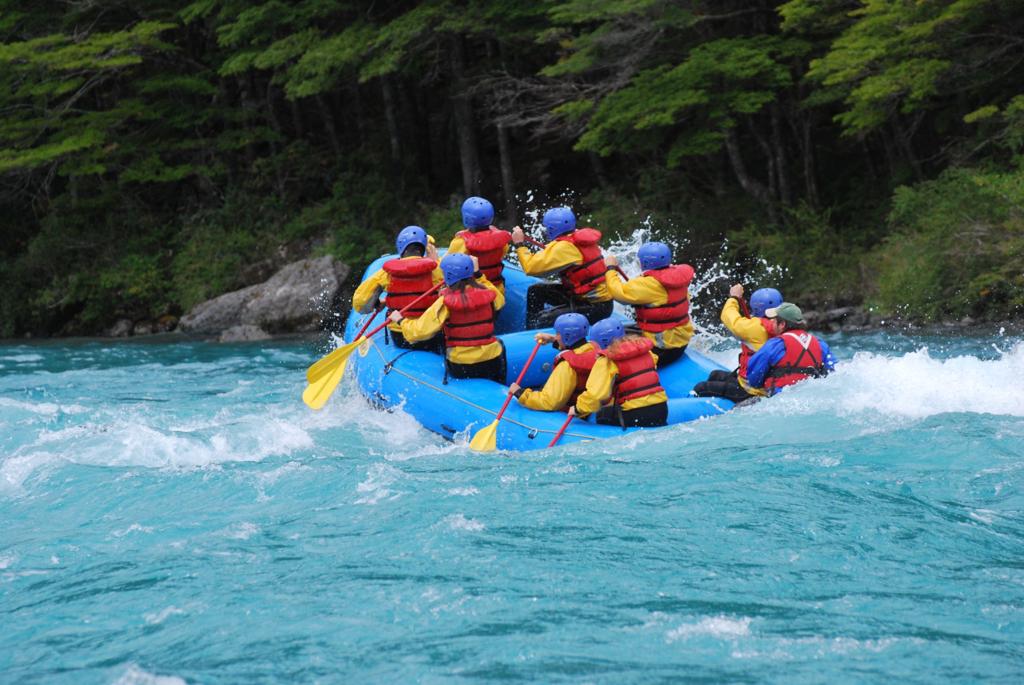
(561, 431)
(316, 371)
(486, 439)
(324, 375)
(744, 307)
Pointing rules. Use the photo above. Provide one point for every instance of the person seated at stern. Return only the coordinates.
(791, 356)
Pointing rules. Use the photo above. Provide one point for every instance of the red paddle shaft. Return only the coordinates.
(508, 397)
(369, 320)
(561, 431)
(744, 307)
(404, 309)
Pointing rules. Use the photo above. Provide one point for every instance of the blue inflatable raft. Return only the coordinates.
(391, 377)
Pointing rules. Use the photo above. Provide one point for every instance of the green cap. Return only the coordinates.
(787, 311)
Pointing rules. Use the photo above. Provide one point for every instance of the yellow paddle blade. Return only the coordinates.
(327, 363)
(319, 391)
(486, 439)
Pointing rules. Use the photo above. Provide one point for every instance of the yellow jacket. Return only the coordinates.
(458, 246)
(647, 290)
(601, 384)
(432, 320)
(555, 257)
(747, 329)
(365, 297)
(558, 389)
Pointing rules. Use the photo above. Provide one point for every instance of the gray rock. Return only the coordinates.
(122, 328)
(244, 333)
(144, 328)
(293, 299)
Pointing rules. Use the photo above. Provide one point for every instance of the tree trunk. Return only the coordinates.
(810, 168)
(762, 142)
(300, 129)
(507, 179)
(276, 126)
(392, 121)
(245, 100)
(904, 143)
(332, 133)
(751, 185)
(357, 105)
(598, 166)
(462, 107)
(780, 156)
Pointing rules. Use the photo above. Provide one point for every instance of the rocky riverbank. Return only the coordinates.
(295, 299)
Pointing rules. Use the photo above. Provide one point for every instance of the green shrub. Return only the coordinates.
(956, 247)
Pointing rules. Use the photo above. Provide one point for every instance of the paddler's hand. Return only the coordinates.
(395, 317)
(610, 261)
(514, 389)
(545, 338)
(432, 251)
(572, 410)
(736, 291)
(518, 237)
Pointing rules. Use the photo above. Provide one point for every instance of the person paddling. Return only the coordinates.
(791, 356)
(404, 279)
(465, 314)
(575, 256)
(482, 240)
(625, 377)
(572, 366)
(660, 296)
(753, 331)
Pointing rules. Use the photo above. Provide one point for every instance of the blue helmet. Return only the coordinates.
(606, 331)
(410, 235)
(456, 267)
(763, 299)
(654, 256)
(572, 327)
(559, 221)
(477, 213)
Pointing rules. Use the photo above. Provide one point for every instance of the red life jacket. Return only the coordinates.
(488, 246)
(637, 376)
(408, 279)
(470, 317)
(581, 363)
(803, 358)
(675, 280)
(584, 277)
(746, 352)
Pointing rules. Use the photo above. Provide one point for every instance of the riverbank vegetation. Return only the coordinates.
(153, 154)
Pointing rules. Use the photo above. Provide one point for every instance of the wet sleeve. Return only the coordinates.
(556, 392)
(746, 329)
(599, 387)
(556, 256)
(639, 290)
(769, 355)
(437, 276)
(428, 324)
(365, 297)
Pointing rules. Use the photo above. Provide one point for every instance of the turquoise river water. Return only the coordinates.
(172, 513)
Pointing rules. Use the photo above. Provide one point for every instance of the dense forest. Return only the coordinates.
(156, 153)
